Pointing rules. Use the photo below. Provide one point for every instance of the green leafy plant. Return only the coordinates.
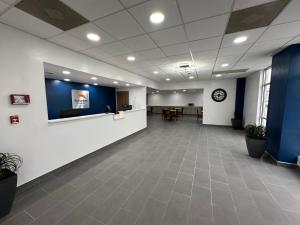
(256, 132)
(9, 163)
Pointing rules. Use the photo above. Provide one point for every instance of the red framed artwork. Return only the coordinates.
(19, 99)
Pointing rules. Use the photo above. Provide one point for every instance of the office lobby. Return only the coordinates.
(149, 112)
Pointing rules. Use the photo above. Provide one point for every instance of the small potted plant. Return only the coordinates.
(255, 140)
(9, 164)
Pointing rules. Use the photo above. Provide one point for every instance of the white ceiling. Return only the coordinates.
(193, 32)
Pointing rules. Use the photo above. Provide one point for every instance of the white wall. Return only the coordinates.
(137, 96)
(214, 113)
(178, 99)
(252, 98)
(45, 147)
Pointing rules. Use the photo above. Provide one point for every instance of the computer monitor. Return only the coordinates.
(69, 113)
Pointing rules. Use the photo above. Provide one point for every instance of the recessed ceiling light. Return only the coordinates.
(191, 77)
(167, 79)
(218, 75)
(66, 72)
(224, 65)
(94, 78)
(67, 79)
(131, 58)
(93, 37)
(156, 72)
(96, 84)
(127, 84)
(240, 40)
(115, 82)
(157, 17)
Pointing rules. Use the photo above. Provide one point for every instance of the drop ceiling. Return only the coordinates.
(194, 32)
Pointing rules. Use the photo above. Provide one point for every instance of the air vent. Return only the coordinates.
(53, 12)
(255, 17)
(230, 71)
(185, 66)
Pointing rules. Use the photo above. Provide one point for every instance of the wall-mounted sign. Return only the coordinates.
(80, 99)
(14, 119)
(19, 99)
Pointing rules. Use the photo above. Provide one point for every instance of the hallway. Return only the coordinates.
(172, 173)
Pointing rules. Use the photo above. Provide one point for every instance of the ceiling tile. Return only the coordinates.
(180, 58)
(93, 9)
(114, 49)
(23, 21)
(69, 41)
(267, 48)
(167, 7)
(139, 43)
(294, 41)
(231, 60)
(10, 2)
(120, 25)
(252, 36)
(205, 44)
(81, 32)
(254, 63)
(3, 7)
(128, 3)
(290, 13)
(95, 53)
(176, 49)
(242, 4)
(159, 61)
(206, 56)
(206, 28)
(234, 50)
(198, 9)
(281, 31)
(169, 36)
(150, 54)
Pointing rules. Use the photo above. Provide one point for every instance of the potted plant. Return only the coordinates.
(9, 164)
(237, 121)
(255, 140)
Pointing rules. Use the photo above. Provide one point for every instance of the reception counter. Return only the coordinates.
(91, 116)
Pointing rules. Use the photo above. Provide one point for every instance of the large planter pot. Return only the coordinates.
(237, 124)
(256, 147)
(8, 187)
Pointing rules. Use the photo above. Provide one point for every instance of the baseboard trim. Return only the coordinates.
(281, 163)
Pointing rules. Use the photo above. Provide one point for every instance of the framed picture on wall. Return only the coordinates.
(80, 99)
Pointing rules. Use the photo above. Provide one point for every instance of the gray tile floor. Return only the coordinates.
(171, 173)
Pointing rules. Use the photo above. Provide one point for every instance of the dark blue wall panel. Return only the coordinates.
(277, 97)
(283, 123)
(59, 97)
(240, 96)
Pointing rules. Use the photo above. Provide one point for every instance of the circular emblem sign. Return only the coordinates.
(219, 95)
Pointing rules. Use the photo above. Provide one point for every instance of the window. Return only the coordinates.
(265, 95)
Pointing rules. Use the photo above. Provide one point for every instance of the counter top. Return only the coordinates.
(88, 116)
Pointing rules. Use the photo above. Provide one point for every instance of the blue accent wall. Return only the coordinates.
(59, 97)
(240, 96)
(283, 121)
